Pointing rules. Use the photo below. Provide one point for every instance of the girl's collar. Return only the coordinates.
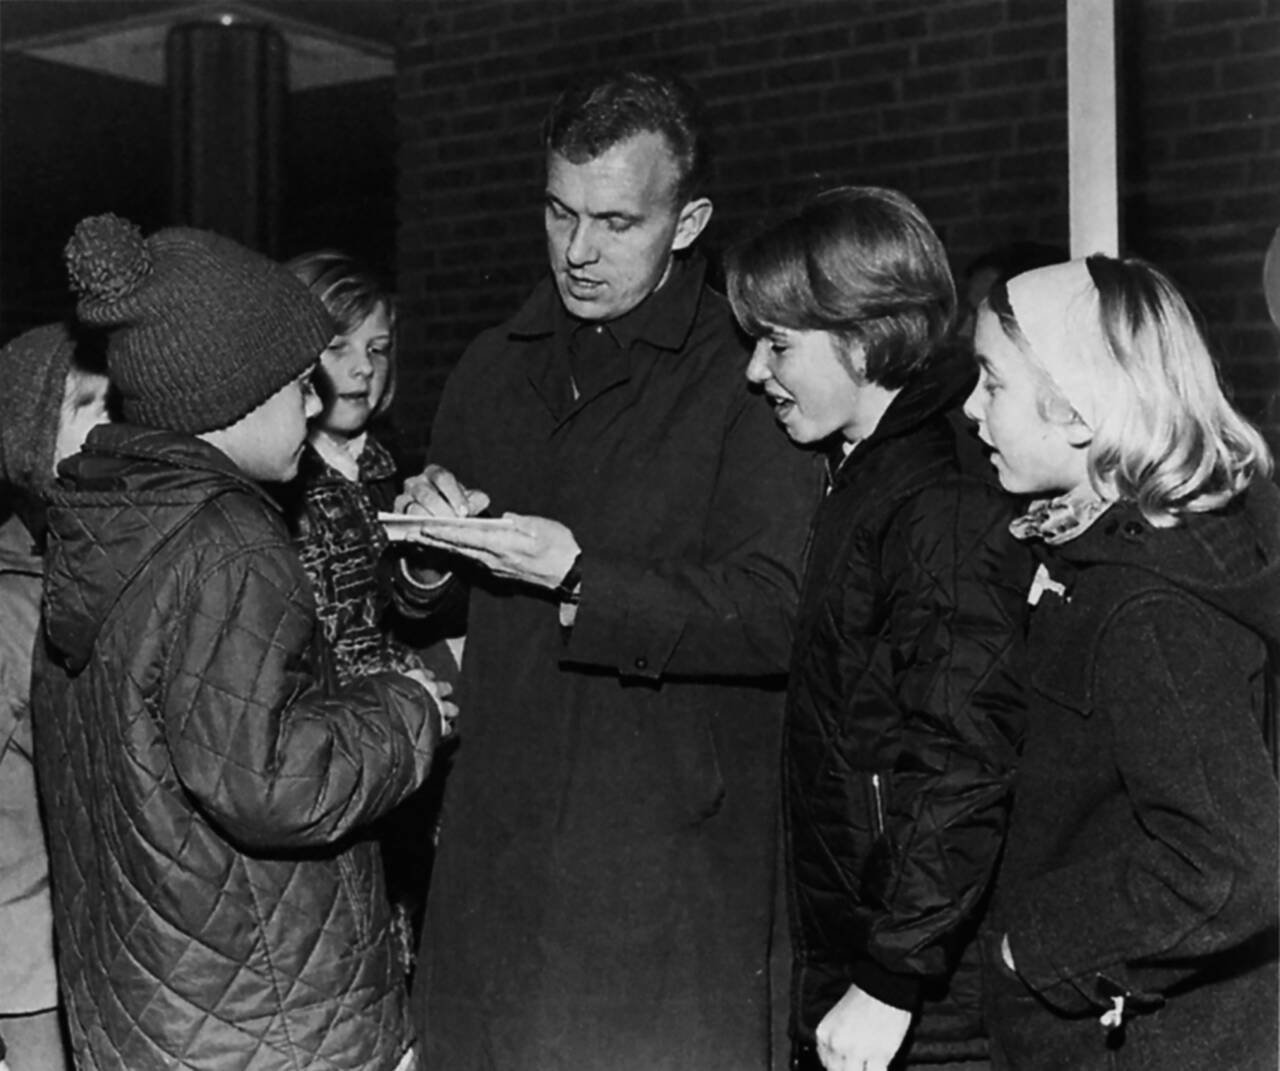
(342, 455)
(1059, 520)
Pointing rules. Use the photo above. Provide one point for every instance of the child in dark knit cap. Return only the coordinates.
(216, 902)
(53, 394)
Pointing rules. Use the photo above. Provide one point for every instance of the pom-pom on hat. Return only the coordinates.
(33, 369)
(202, 330)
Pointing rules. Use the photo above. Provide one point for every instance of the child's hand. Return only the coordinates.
(439, 691)
(861, 1032)
(438, 493)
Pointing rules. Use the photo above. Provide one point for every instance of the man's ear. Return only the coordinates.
(694, 217)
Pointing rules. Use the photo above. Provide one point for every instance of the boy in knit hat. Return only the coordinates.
(216, 903)
(52, 396)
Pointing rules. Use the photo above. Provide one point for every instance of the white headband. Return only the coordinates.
(1057, 312)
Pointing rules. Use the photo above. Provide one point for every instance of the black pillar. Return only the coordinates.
(227, 86)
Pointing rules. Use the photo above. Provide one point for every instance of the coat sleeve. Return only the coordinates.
(20, 607)
(948, 660)
(1204, 880)
(731, 610)
(268, 757)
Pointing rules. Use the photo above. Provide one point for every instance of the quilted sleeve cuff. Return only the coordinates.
(897, 990)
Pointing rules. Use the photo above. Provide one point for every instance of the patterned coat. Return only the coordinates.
(343, 549)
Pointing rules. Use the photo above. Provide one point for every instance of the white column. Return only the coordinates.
(1091, 127)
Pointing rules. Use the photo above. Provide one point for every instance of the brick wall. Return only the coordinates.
(960, 103)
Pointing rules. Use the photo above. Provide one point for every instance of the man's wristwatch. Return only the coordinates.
(570, 587)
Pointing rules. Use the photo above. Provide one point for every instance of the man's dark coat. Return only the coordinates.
(603, 892)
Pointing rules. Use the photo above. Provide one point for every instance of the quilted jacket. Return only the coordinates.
(215, 903)
(903, 719)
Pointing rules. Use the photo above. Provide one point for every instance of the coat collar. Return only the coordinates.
(116, 455)
(664, 320)
(941, 386)
(665, 317)
(17, 548)
(1228, 558)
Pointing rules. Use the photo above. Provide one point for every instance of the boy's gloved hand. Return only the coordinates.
(439, 691)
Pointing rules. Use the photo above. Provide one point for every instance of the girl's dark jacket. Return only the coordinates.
(903, 719)
(1142, 857)
(215, 905)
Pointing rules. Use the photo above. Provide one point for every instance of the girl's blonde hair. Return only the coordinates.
(351, 293)
(1168, 439)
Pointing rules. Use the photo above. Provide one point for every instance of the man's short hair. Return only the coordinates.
(861, 262)
(598, 112)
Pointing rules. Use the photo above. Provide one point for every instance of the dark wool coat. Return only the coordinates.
(603, 893)
(1142, 856)
(903, 719)
(215, 906)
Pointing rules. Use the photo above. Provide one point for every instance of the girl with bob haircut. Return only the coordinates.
(903, 711)
(859, 262)
(1133, 922)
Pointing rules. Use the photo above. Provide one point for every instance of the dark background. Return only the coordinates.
(435, 175)
(74, 142)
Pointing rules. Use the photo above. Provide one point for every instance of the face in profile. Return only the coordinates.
(612, 224)
(84, 407)
(267, 442)
(815, 387)
(354, 369)
(1033, 453)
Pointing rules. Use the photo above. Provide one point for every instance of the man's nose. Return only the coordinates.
(582, 244)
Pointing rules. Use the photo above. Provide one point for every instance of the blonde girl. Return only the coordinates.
(346, 476)
(1134, 917)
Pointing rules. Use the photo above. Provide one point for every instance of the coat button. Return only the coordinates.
(642, 662)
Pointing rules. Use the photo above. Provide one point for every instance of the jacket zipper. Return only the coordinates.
(878, 799)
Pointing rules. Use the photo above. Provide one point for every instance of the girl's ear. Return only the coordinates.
(1078, 433)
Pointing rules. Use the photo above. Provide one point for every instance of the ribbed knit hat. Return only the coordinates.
(33, 369)
(202, 330)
